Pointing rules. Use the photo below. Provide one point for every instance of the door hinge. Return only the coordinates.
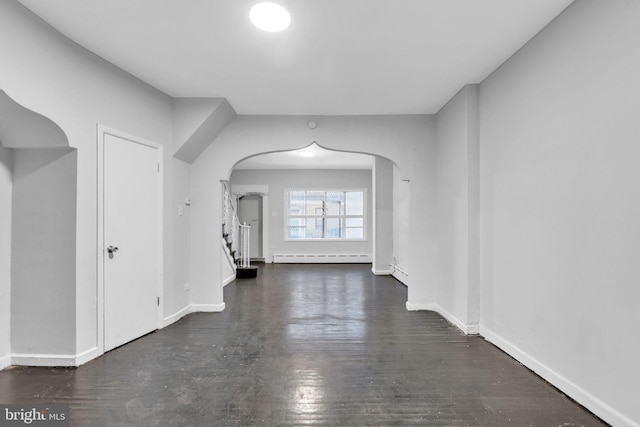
(158, 167)
(158, 301)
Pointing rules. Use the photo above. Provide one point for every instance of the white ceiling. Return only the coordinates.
(337, 57)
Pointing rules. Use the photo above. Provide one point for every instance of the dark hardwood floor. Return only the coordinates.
(302, 345)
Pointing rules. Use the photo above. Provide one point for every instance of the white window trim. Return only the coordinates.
(365, 215)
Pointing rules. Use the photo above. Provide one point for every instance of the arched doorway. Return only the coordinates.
(335, 224)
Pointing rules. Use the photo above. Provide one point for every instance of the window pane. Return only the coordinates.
(295, 222)
(333, 208)
(295, 233)
(354, 233)
(298, 231)
(355, 222)
(355, 203)
(296, 203)
(315, 202)
(333, 228)
(320, 214)
(314, 228)
(334, 205)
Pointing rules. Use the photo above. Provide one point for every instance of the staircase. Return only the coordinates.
(230, 224)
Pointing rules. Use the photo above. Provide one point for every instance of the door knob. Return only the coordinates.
(112, 250)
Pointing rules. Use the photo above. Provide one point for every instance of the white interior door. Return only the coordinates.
(249, 211)
(131, 240)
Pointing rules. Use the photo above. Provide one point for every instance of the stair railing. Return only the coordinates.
(230, 221)
(245, 247)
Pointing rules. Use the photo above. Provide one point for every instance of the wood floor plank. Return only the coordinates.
(303, 345)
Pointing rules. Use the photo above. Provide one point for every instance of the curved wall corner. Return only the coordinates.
(24, 128)
(40, 290)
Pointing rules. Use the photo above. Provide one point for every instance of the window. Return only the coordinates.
(325, 214)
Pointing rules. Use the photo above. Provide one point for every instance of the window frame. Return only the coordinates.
(343, 217)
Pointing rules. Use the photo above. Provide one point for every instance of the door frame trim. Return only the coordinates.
(260, 198)
(263, 190)
(102, 131)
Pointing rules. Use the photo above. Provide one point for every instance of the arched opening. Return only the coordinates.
(317, 231)
(38, 184)
(315, 205)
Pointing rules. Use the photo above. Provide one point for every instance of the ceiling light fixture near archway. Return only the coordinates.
(309, 151)
(270, 17)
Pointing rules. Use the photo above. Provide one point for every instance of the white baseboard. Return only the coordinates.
(62, 360)
(87, 355)
(401, 278)
(468, 329)
(192, 308)
(381, 272)
(55, 360)
(400, 274)
(586, 399)
(5, 361)
(176, 316)
(209, 308)
(473, 329)
(228, 280)
(420, 307)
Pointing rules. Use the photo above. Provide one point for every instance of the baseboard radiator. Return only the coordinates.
(400, 273)
(322, 258)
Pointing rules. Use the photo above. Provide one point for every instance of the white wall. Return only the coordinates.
(6, 167)
(457, 210)
(177, 298)
(197, 122)
(422, 223)
(401, 229)
(47, 73)
(382, 224)
(560, 203)
(279, 180)
(406, 140)
(188, 116)
(43, 252)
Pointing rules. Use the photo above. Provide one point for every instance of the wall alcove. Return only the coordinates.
(38, 184)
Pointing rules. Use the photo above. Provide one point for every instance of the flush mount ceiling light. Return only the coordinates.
(269, 17)
(310, 150)
(308, 153)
